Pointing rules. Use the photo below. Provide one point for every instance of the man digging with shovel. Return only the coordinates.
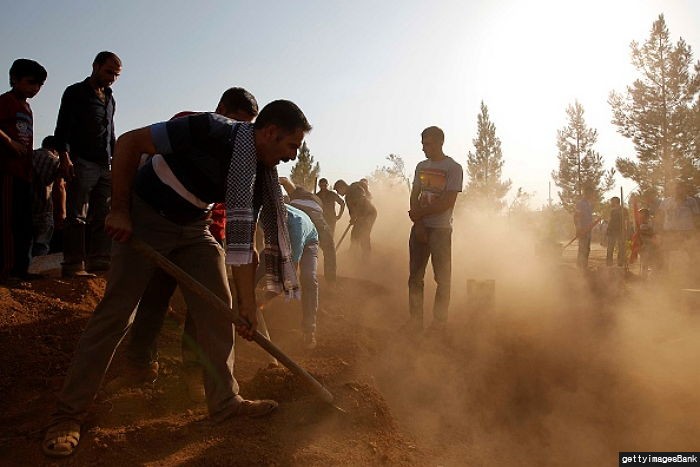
(205, 158)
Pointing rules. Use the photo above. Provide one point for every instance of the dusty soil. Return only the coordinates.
(567, 370)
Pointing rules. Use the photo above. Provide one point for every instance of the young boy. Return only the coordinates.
(49, 187)
(16, 134)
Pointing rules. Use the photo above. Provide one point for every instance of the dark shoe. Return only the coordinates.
(133, 376)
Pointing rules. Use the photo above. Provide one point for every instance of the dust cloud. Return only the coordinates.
(565, 369)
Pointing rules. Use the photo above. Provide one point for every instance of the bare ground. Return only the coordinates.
(564, 374)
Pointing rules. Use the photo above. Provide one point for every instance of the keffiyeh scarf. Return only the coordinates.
(243, 174)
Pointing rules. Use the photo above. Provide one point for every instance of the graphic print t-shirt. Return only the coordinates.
(433, 179)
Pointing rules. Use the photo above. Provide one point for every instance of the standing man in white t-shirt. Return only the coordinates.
(436, 183)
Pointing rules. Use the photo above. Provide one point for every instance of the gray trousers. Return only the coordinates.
(192, 248)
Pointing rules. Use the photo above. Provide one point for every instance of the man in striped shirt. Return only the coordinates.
(166, 204)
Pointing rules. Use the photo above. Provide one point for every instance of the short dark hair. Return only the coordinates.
(23, 68)
(105, 55)
(615, 198)
(235, 99)
(323, 180)
(284, 114)
(340, 182)
(49, 142)
(434, 132)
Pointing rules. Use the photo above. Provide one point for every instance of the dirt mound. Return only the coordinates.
(156, 424)
(564, 369)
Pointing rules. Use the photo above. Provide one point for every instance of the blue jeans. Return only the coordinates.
(439, 249)
(308, 278)
(325, 241)
(88, 197)
(308, 266)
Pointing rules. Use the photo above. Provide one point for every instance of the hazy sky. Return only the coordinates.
(369, 75)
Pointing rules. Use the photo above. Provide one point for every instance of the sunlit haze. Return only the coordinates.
(369, 75)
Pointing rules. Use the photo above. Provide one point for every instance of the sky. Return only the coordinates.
(369, 75)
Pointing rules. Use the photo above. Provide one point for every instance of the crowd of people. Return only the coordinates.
(66, 184)
(202, 189)
(650, 230)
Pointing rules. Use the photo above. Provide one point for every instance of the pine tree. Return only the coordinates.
(305, 173)
(394, 173)
(580, 165)
(521, 202)
(657, 113)
(485, 164)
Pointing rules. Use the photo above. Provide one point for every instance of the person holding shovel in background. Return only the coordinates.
(330, 199)
(362, 212)
(206, 158)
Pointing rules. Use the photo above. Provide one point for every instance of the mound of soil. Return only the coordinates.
(156, 424)
(564, 369)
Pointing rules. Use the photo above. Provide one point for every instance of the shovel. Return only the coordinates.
(587, 230)
(347, 229)
(187, 281)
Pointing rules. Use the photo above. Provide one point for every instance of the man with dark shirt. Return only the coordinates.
(85, 139)
(616, 233)
(142, 351)
(329, 199)
(198, 160)
(362, 213)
